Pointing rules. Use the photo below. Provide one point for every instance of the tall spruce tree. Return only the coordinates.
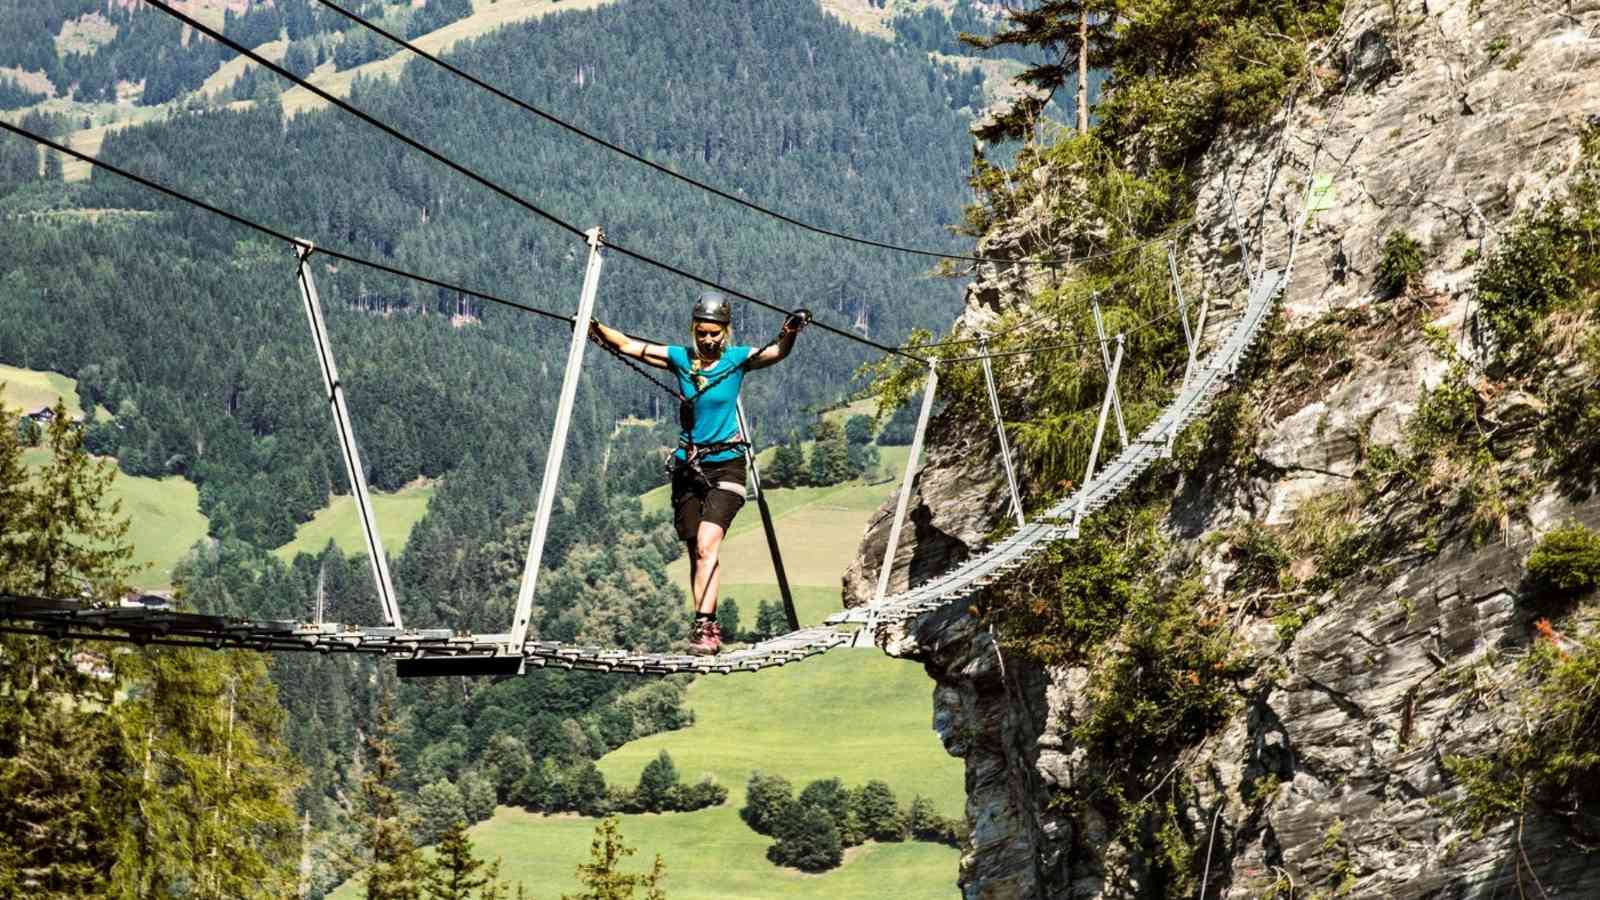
(60, 761)
(210, 784)
(397, 870)
(455, 872)
(602, 877)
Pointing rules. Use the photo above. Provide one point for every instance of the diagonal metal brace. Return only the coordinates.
(558, 445)
(1000, 429)
(1191, 337)
(376, 558)
(1099, 434)
(1105, 359)
(789, 613)
(904, 501)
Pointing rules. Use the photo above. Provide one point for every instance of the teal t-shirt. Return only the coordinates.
(716, 412)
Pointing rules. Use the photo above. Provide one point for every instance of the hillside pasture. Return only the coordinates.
(852, 714)
(819, 531)
(487, 16)
(25, 390)
(165, 522)
(397, 514)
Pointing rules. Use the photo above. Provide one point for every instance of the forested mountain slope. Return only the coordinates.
(196, 324)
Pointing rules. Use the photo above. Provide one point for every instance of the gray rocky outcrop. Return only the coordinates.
(1451, 118)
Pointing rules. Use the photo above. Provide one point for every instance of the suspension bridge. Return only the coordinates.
(1209, 368)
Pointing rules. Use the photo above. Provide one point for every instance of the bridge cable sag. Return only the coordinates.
(672, 173)
(164, 6)
(273, 232)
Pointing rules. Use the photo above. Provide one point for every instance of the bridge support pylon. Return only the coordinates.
(558, 445)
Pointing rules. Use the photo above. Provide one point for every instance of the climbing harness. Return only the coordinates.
(714, 309)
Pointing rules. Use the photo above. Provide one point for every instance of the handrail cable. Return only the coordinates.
(668, 267)
(782, 217)
(273, 232)
(409, 141)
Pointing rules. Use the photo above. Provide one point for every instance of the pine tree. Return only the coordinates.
(728, 619)
(770, 619)
(397, 870)
(210, 778)
(602, 877)
(858, 429)
(765, 798)
(65, 535)
(454, 872)
(658, 784)
(830, 455)
(830, 795)
(877, 812)
(60, 535)
(807, 839)
(1079, 32)
(788, 464)
(439, 805)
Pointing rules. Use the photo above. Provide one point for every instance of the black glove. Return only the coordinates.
(797, 320)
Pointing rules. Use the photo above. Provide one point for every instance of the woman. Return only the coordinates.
(708, 468)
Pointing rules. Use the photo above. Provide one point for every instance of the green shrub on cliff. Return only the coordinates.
(1550, 756)
(1399, 265)
(1549, 261)
(1566, 562)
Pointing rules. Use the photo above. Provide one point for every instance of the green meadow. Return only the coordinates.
(852, 714)
(164, 513)
(165, 523)
(26, 390)
(397, 514)
(819, 531)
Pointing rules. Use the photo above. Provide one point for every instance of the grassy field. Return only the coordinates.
(487, 16)
(166, 522)
(164, 516)
(25, 390)
(397, 514)
(819, 531)
(874, 712)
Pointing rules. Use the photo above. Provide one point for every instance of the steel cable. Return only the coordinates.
(273, 232)
(480, 179)
(671, 173)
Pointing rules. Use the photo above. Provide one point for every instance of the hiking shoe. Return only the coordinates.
(706, 639)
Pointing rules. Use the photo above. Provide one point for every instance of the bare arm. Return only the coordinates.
(776, 352)
(647, 353)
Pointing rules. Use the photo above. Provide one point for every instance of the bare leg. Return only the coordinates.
(705, 572)
(694, 565)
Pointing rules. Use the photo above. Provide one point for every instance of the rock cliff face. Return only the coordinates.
(1452, 118)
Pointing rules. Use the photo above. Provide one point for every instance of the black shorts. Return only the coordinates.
(719, 501)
